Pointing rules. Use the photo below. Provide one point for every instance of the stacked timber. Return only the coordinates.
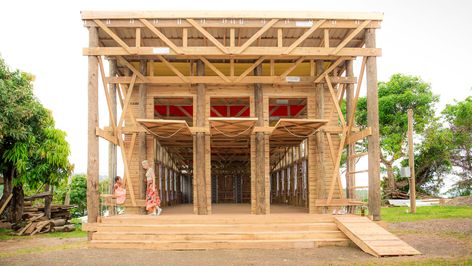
(36, 221)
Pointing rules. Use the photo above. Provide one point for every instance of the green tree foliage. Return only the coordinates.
(32, 150)
(432, 159)
(78, 195)
(396, 96)
(459, 118)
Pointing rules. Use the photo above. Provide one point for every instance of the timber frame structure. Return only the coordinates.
(250, 97)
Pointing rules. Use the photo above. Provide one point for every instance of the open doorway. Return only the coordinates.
(173, 117)
(230, 127)
(288, 154)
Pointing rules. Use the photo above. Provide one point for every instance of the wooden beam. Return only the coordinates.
(326, 38)
(200, 155)
(251, 68)
(411, 162)
(304, 36)
(113, 36)
(334, 159)
(93, 200)
(354, 137)
(132, 68)
(250, 53)
(161, 36)
(304, 80)
(126, 102)
(259, 174)
(216, 111)
(329, 69)
(258, 34)
(212, 67)
(106, 135)
(138, 38)
(292, 67)
(351, 36)
(173, 69)
(208, 35)
(335, 101)
(280, 38)
(373, 122)
(184, 37)
(107, 95)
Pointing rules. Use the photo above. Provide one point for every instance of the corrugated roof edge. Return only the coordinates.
(86, 15)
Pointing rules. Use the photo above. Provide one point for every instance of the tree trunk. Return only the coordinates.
(390, 177)
(7, 185)
(17, 203)
(47, 202)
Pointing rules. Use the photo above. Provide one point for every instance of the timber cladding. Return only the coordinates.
(190, 58)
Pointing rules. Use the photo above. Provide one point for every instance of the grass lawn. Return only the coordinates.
(401, 214)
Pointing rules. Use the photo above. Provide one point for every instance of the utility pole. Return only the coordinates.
(411, 162)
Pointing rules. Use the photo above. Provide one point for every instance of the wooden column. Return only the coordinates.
(260, 146)
(316, 185)
(200, 171)
(373, 122)
(411, 162)
(112, 151)
(350, 162)
(142, 147)
(92, 160)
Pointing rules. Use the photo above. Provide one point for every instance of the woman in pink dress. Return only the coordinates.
(152, 199)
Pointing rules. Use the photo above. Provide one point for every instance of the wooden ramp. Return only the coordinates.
(372, 238)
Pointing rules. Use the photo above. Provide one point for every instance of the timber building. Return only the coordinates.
(237, 111)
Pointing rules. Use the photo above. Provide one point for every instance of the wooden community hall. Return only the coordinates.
(240, 115)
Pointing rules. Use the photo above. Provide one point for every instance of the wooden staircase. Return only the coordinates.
(188, 232)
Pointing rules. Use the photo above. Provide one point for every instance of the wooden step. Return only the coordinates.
(274, 235)
(215, 219)
(203, 228)
(227, 244)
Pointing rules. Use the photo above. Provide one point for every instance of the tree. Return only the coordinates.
(459, 118)
(32, 151)
(396, 96)
(78, 195)
(432, 159)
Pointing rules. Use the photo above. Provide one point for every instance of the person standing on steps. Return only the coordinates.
(152, 199)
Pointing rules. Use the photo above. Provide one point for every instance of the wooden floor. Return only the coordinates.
(372, 238)
(236, 209)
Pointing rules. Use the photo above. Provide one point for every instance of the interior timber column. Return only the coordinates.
(200, 171)
(142, 147)
(350, 162)
(92, 160)
(260, 177)
(373, 122)
(112, 152)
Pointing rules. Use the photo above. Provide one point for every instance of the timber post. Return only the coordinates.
(112, 150)
(93, 150)
(373, 123)
(200, 171)
(411, 162)
(351, 161)
(260, 174)
(142, 147)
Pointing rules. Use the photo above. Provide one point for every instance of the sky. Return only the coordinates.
(430, 39)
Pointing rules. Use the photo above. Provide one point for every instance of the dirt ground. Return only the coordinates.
(436, 239)
(460, 201)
